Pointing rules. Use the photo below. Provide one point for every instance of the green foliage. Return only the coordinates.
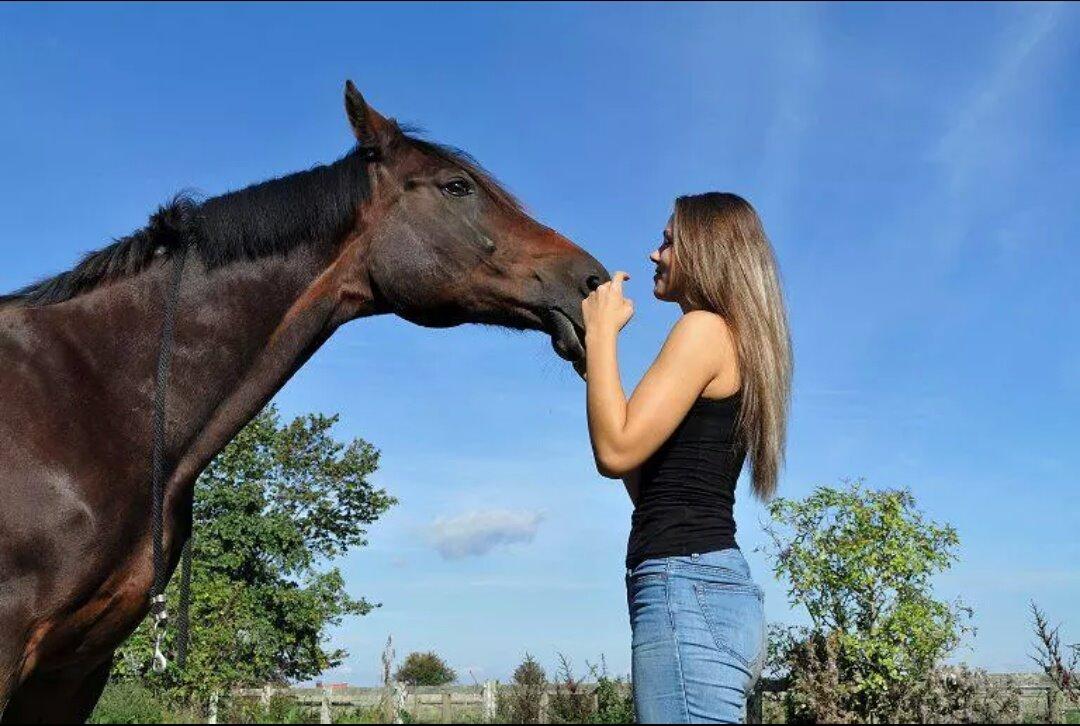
(281, 708)
(571, 703)
(129, 702)
(614, 701)
(520, 702)
(425, 669)
(860, 562)
(269, 511)
(614, 697)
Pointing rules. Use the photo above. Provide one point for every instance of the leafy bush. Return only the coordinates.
(860, 562)
(614, 701)
(281, 708)
(128, 703)
(520, 702)
(958, 694)
(571, 703)
(425, 669)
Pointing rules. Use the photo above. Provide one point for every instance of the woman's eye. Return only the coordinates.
(457, 188)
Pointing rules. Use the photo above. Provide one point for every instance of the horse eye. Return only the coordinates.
(457, 188)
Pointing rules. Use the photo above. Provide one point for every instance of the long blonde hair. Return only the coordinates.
(725, 264)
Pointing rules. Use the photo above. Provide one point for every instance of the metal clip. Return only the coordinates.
(160, 662)
(161, 616)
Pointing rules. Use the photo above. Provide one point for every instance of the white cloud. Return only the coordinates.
(478, 532)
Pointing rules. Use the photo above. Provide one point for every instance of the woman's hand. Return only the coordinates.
(605, 310)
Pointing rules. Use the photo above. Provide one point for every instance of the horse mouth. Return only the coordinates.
(566, 339)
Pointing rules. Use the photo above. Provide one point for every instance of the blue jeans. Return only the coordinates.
(698, 626)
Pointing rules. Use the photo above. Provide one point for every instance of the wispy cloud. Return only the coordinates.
(983, 149)
(797, 75)
(961, 146)
(478, 532)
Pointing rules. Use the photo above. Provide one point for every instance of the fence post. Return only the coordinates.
(399, 701)
(446, 708)
(324, 707)
(264, 697)
(489, 697)
(544, 700)
(212, 715)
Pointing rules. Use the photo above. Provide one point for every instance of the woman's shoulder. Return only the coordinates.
(702, 327)
(704, 320)
(706, 336)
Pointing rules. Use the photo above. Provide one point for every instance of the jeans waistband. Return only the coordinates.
(729, 559)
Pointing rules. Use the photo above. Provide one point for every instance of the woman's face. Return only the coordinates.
(664, 259)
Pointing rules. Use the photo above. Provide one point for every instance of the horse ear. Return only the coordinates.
(370, 127)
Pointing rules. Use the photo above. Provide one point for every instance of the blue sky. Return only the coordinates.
(915, 167)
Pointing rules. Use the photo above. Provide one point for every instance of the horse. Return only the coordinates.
(399, 225)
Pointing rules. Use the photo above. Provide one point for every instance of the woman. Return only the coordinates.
(717, 394)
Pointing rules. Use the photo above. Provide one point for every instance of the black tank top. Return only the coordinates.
(687, 488)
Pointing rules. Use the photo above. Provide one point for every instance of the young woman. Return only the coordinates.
(717, 394)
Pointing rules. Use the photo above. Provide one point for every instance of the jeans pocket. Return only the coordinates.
(736, 618)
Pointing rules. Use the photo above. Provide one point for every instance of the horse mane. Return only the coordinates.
(271, 217)
(268, 218)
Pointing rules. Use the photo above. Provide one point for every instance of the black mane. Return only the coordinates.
(272, 217)
(309, 207)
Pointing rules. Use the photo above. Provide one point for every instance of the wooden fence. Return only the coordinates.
(443, 704)
(448, 704)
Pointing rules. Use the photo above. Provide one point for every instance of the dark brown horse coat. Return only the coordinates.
(399, 225)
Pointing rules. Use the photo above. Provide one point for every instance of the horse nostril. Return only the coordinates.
(592, 282)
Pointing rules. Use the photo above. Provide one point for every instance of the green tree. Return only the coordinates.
(425, 669)
(270, 512)
(861, 562)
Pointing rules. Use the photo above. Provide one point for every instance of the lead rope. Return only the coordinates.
(157, 524)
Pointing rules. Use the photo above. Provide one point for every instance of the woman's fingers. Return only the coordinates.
(606, 306)
(617, 280)
(615, 284)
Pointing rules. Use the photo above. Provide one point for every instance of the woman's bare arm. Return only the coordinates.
(625, 433)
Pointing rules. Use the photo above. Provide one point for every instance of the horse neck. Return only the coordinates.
(240, 337)
(241, 331)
